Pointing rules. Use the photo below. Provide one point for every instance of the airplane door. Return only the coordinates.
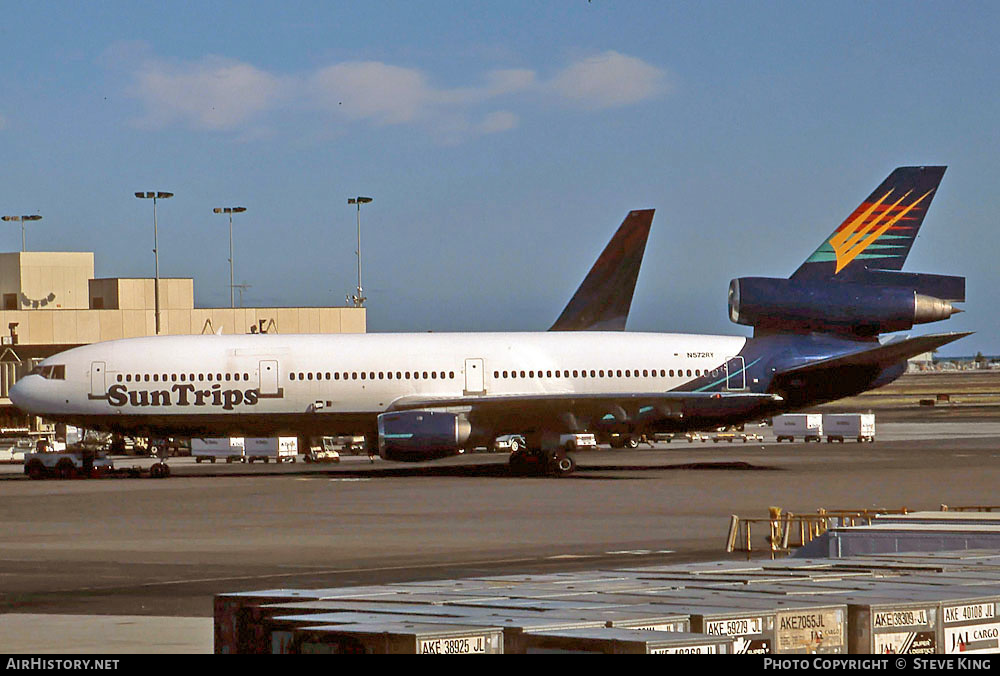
(736, 378)
(268, 378)
(98, 385)
(475, 382)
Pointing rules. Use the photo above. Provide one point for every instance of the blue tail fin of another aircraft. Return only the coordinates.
(603, 300)
(880, 231)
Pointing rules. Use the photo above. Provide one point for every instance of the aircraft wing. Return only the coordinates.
(882, 356)
(518, 411)
(603, 300)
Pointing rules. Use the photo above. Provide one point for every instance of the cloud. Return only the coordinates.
(220, 94)
(371, 90)
(215, 93)
(609, 80)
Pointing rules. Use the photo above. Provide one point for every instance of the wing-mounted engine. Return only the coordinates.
(412, 436)
(896, 302)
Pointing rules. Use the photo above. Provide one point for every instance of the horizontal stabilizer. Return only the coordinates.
(602, 301)
(944, 287)
(882, 356)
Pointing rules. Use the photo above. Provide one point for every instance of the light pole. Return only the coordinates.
(156, 250)
(232, 284)
(359, 298)
(22, 219)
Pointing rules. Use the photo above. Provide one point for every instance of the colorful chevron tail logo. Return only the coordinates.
(857, 233)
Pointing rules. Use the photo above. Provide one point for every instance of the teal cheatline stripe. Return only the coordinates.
(397, 436)
(722, 380)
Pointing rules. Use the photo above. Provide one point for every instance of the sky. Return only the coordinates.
(502, 143)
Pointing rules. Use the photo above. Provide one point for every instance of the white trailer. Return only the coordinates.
(230, 449)
(806, 426)
(840, 426)
(279, 449)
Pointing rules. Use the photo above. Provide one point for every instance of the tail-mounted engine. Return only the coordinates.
(861, 308)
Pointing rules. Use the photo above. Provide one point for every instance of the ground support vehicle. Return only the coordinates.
(840, 426)
(14, 449)
(806, 426)
(67, 464)
(579, 442)
(266, 449)
(509, 443)
(230, 449)
(325, 452)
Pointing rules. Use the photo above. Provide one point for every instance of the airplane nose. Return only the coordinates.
(23, 394)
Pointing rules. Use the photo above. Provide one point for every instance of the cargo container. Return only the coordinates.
(611, 641)
(397, 638)
(278, 449)
(881, 626)
(229, 449)
(805, 426)
(841, 426)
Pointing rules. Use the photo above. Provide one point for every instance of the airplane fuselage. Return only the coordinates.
(323, 383)
(261, 385)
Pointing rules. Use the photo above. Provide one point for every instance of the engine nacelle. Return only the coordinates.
(421, 435)
(807, 305)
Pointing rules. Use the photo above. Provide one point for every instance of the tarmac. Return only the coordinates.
(127, 566)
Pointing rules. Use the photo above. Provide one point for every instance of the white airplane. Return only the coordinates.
(429, 395)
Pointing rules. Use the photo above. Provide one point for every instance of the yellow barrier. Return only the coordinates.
(787, 531)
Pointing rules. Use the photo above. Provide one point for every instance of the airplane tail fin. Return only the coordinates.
(603, 300)
(880, 231)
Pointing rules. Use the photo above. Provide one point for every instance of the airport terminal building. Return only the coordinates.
(51, 302)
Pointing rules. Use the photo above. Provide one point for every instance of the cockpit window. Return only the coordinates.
(50, 371)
